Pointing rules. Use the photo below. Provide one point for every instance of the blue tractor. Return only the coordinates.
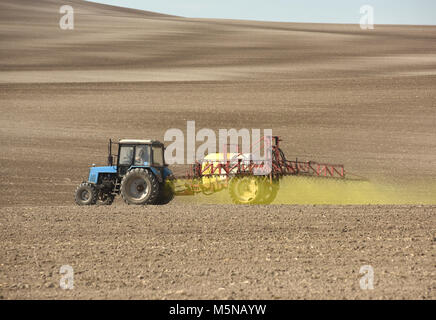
(138, 173)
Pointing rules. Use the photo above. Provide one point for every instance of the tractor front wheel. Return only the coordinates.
(139, 187)
(86, 194)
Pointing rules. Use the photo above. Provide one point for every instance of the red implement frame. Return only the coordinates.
(279, 165)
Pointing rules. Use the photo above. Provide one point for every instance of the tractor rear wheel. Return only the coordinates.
(139, 187)
(166, 193)
(86, 194)
(245, 190)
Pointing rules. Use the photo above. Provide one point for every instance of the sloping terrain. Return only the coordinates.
(334, 93)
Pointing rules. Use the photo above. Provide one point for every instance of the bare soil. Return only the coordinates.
(334, 93)
(218, 252)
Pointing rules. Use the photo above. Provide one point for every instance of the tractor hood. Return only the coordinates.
(95, 171)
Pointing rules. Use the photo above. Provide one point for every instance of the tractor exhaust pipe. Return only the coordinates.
(109, 158)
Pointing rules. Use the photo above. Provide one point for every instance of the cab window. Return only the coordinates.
(126, 155)
(142, 155)
(158, 156)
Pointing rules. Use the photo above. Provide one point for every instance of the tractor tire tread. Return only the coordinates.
(154, 193)
(94, 194)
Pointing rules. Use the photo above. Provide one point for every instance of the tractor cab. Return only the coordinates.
(139, 153)
(137, 172)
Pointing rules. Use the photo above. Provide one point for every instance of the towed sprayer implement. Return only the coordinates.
(249, 181)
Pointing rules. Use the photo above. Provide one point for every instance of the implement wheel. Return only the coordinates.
(139, 187)
(269, 191)
(86, 194)
(245, 190)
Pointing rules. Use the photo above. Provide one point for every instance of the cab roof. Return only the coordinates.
(138, 141)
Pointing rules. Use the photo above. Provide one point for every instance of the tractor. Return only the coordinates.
(138, 173)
